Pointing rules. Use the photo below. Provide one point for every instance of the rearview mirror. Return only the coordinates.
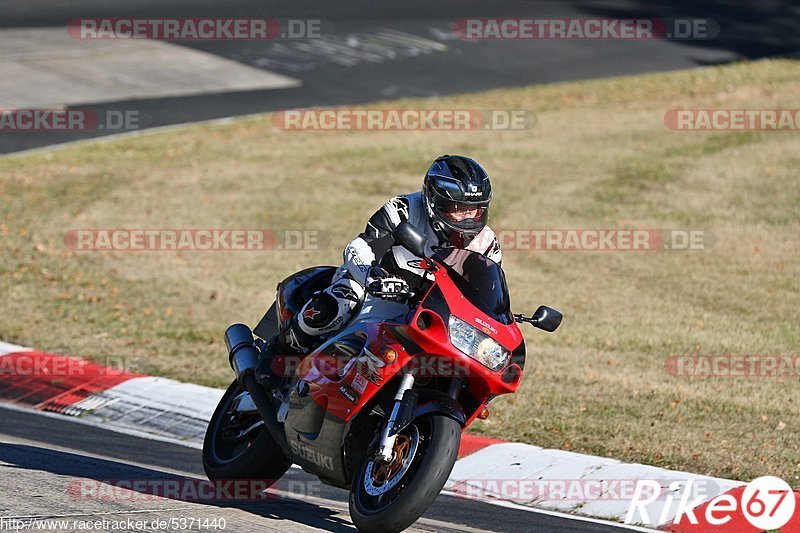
(407, 236)
(546, 318)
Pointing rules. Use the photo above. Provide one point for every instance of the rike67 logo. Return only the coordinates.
(767, 503)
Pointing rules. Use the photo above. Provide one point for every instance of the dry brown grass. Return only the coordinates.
(598, 157)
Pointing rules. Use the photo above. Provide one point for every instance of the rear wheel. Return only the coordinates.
(390, 497)
(238, 445)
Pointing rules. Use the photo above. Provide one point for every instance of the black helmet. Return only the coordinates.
(457, 195)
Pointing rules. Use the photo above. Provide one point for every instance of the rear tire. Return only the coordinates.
(417, 485)
(256, 456)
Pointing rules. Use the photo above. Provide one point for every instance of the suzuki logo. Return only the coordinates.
(486, 326)
(312, 455)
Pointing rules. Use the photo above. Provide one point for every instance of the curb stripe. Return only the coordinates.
(54, 382)
(473, 443)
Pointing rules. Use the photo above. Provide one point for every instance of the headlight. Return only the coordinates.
(477, 344)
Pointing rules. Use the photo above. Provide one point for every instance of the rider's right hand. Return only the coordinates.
(383, 285)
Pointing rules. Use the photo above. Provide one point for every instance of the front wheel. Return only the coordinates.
(390, 497)
(239, 446)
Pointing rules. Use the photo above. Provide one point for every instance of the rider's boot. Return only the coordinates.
(280, 355)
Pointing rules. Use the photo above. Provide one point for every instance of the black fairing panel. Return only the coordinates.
(518, 355)
(293, 292)
(268, 326)
(436, 302)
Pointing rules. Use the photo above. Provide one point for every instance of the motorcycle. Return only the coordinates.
(377, 408)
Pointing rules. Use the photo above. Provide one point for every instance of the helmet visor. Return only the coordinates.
(459, 213)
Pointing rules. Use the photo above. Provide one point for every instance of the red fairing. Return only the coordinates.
(362, 376)
(343, 388)
(507, 335)
(435, 339)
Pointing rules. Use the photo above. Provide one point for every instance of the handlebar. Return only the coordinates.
(522, 318)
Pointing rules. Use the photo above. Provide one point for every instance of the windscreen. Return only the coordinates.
(480, 279)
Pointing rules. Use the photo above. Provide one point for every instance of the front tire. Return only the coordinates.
(389, 498)
(254, 455)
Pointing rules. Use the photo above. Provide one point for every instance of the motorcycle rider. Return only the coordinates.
(451, 210)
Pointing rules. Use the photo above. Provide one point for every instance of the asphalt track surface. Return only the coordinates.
(45, 461)
(427, 61)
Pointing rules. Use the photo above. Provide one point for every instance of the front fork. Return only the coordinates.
(388, 435)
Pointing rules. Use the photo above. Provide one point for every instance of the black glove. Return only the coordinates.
(383, 285)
